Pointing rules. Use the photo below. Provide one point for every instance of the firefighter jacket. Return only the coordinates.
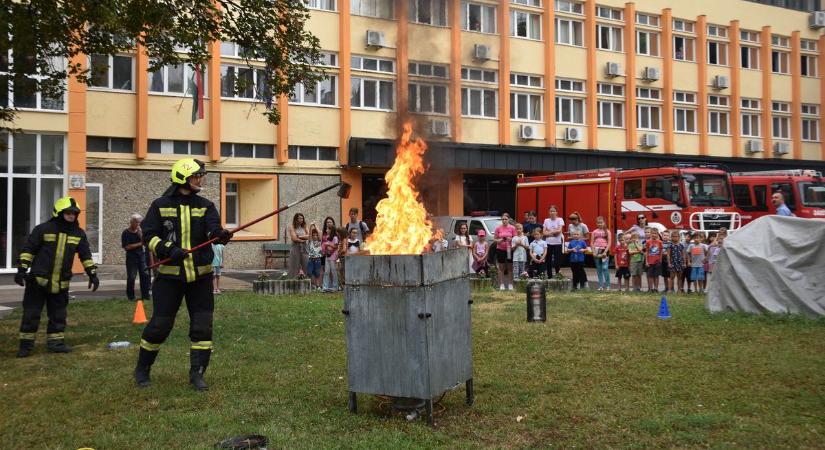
(184, 221)
(49, 251)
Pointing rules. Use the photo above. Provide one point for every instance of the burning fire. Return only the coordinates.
(402, 227)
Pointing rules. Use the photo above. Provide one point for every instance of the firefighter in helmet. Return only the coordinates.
(49, 252)
(177, 221)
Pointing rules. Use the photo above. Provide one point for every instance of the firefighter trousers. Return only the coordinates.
(167, 296)
(34, 298)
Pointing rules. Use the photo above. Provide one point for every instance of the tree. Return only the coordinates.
(43, 36)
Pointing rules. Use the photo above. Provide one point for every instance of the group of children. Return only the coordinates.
(324, 266)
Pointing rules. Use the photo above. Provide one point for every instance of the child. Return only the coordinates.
(647, 234)
(688, 239)
(666, 260)
(480, 254)
(713, 254)
(314, 256)
(677, 261)
(538, 254)
(329, 248)
(577, 247)
(697, 251)
(623, 261)
(353, 243)
(438, 243)
(342, 251)
(217, 265)
(600, 240)
(520, 246)
(653, 257)
(636, 251)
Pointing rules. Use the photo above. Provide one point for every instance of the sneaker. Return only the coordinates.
(509, 287)
(217, 291)
(501, 287)
(600, 289)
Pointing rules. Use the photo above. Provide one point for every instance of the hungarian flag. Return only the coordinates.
(196, 87)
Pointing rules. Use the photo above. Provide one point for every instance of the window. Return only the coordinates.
(750, 124)
(808, 65)
(570, 110)
(427, 98)
(810, 129)
(373, 94)
(718, 122)
(111, 72)
(632, 189)
(481, 75)
(684, 120)
(647, 19)
(524, 106)
(742, 195)
(781, 107)
(569, 32)
(684, 97)
(477, 17)
(321, 93)
(567, 6)
(328, 59)
(233, 50)
(781, 127)
(171, 79)
(372, 64)
(177, 147)
(313, 153)
(417, 69)
(520, 79)
(428, 12)
(717, 53)
(647, 43)
(534, 3)
(231, 203)
(24, 94)
(609, 13)
(683, 48)
(649, 117)
(609, 38)
(382, 9)
(718, 100)
(611, 114)
(751, 103)
(683, 25)
(717, 31)
(648, 93)
(780, 41)
(242, 82)
(749, 57)
(325, 5)
(807, 45)
(779, 62)
(239, 150)
(809, 110)
(616, 90)
(478, 102)
(109, 144)
(749, 36)
(525, 25)
(566, 85)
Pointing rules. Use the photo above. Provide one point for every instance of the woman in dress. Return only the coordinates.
(298, 235)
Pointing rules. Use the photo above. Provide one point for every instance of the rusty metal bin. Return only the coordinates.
(408, 326)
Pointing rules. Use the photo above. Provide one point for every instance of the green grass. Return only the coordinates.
(603, 372)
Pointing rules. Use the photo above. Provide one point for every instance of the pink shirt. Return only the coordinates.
(599, 238)
(505, 233)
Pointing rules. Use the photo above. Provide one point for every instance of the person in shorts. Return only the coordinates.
(653, 258)
(697, 252)
(623, 261)
(637, 260)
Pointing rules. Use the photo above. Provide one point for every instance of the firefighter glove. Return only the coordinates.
(223, 236)
(94, 283)
(20, 276)
(175, 255)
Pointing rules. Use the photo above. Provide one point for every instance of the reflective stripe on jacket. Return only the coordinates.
(49, 252)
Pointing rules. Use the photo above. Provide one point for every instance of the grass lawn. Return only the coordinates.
(603, 372)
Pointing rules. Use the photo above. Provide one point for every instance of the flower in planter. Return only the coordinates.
(262, 276)
(524, 276)
(284, 276)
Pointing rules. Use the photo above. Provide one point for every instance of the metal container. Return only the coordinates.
(536, 302)
(408, 325)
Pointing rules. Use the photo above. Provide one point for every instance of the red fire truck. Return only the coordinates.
(684, 196)
(804, 193)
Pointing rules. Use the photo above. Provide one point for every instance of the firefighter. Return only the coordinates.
(49, 252)
(177, 221)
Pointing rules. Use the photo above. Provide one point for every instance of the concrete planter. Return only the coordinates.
(549, 285)
(282, 287)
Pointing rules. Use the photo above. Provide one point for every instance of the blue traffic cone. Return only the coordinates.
(664, 312)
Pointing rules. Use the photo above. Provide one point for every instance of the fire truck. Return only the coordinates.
(804, 193)
(685, 196)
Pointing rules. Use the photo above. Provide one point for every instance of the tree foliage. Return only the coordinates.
(45, 36)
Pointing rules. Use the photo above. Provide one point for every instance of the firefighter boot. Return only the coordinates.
(58, 346)
(199, 360)
(26, 347)
(144, 365)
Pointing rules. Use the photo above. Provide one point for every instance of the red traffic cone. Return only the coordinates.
(140, 314)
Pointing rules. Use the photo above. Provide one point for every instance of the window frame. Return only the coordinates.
(614, 106)
(780, 62)
(688, 113)
(571, 9)
(613, 32)
(691, 51)
(650, 108)
(300, 100)
(715, 116)
(574, 103)
(753, 120)
(255, 150)
(484, 14)
(514, 103)
(414, 17)
(110, 73)
(416, 99)
(530, 24)
(171, 143)
(749, 55)
(808, 65)
(466, 94)
(573, 83)
(650, 34)
(572, 34)
(721, 53)
(360, 10)
(378, 97)
(647, 21)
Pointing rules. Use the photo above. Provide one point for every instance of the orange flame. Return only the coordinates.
(402, 227)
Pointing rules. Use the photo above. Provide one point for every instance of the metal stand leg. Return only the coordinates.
(469, 388)
(353, 402)
(429, 405)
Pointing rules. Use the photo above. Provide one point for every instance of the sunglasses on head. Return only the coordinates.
(641, 217)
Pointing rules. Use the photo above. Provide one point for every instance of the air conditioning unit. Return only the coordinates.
(754, 146)
(781, 148)
(440, 128)
(375, 39)
(481, 52)
(528, 132)
(651, 74)
(572, 134)
(613, 69)
(721, 82)
(650, 140)
(817, 19)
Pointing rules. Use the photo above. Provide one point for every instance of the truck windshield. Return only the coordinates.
(812, 193)
(708, 189)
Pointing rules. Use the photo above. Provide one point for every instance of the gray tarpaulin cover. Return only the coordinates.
(774, 264)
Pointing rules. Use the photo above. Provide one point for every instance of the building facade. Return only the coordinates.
(497, 88)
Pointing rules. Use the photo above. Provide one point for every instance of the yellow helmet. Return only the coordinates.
(185, 168)
(65, 204)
